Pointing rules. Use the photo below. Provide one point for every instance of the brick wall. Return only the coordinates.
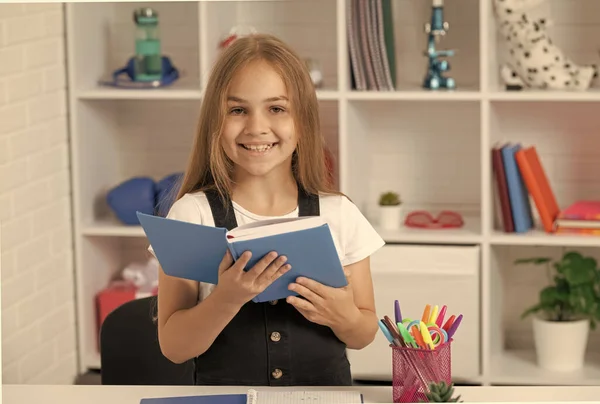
(38, 320)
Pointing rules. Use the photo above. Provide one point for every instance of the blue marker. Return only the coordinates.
(386, 332)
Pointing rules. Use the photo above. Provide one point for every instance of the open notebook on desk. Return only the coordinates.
(193, 251)
(257, 396)
(303, 397)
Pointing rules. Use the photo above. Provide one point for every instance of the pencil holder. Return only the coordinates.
(414, 369)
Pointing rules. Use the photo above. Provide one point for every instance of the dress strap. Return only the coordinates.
(308, 204)
(224, 216)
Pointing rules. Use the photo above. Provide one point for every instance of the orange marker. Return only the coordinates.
(448, 324)
(426, 314)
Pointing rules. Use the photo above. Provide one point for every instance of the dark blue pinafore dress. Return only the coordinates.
(271, 343)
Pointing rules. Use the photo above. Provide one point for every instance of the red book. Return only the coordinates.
(502, 189)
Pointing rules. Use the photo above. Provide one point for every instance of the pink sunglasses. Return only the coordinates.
(445, 220)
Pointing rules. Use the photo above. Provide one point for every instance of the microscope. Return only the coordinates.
(437, 28)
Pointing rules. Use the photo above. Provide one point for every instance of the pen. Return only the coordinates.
(454, 326)
(425, 317)
(426, 336)
(449, 323)
(434, 314)
(393, 330)
(386, 332)
(397, 312)
(440, 317)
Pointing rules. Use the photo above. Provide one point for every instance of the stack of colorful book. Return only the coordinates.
(520, 178)
(583, 217)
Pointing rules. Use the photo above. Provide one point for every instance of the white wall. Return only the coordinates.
(38, 322)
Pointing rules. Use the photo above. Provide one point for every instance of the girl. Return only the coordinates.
(259, 154)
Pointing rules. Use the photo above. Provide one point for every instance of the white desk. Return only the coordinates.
(66, 394)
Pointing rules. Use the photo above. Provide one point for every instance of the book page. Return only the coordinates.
(303, 397)
(272, 227)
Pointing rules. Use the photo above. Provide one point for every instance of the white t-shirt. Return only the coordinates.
(353, 235)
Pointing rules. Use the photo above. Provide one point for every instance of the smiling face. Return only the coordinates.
(259, 134)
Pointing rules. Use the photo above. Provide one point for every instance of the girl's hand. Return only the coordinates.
(332, 307)
(237, 286)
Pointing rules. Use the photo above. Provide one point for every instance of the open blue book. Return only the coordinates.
(193, 251)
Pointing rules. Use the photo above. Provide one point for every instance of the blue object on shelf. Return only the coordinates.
(125, 76)
(135, 194)
(434, 79)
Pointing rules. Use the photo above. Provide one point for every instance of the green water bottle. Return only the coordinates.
(148, 57)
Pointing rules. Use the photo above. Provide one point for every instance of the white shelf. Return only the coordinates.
(112, 229)
(592, 95)
(416, 93)
(470, 233)
(540, 238)
(433, 147)
(519, 368)
(167, 93)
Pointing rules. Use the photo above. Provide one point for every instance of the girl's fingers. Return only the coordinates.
(306, 292)
(301, 304)
(262, 264)
(241, 263)
(273, 271)
(314, 286)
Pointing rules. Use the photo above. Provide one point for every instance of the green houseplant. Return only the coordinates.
(441, 392)
(567, 309)
(390, 210)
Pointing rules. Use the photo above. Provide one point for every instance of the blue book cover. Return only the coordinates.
(517, 193)
(193, 251)
(211, 399)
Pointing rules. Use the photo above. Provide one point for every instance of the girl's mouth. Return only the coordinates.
(259, 148)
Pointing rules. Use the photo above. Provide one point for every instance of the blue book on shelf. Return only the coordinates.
(211, 399)
(517, 193)
(193, 251)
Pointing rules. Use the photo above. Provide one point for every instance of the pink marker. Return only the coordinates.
(440, 318)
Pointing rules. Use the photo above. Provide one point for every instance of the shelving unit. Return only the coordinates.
(432, 147)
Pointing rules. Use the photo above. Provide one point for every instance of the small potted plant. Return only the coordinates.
(390, 211)
(567, 309)
(441, 392)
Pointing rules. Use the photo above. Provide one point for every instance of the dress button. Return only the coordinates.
(273, 302)
(275, 336)
(277, 373)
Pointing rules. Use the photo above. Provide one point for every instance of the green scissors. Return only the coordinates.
(406, 336)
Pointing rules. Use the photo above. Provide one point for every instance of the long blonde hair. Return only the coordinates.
(208, 166)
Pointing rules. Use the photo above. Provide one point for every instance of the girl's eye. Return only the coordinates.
(236, 111)
(277, 109)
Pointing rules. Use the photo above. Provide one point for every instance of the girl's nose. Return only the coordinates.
(257, 124)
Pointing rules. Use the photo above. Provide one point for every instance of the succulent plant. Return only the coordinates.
(441, 393)
(389, 199)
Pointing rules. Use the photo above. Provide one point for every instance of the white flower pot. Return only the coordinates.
(390, 217)
(560, 345)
